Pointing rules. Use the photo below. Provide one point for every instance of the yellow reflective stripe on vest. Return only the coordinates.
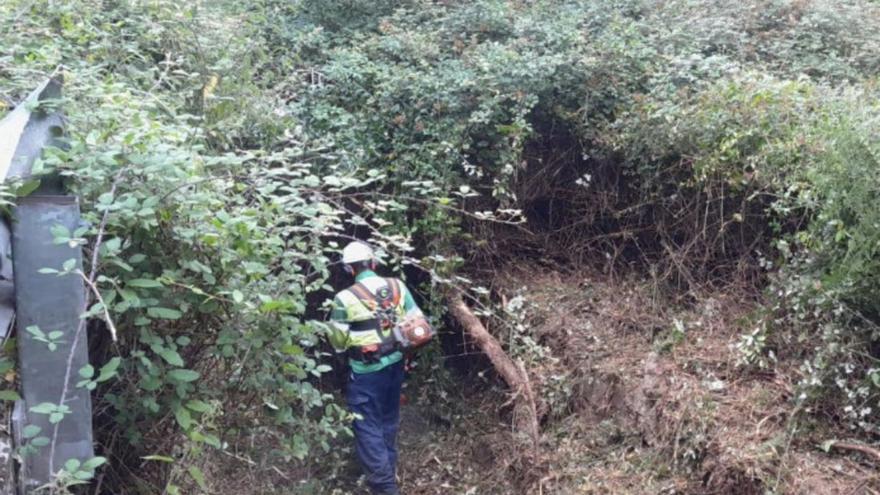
(355, 310)
(364, 337)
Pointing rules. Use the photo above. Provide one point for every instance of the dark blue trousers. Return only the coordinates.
(376, 398)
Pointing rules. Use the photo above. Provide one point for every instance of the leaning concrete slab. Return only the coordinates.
(43, 303)
(51, 303)
(32, 126)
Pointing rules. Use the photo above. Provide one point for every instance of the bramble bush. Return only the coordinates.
(804, 150)
(736, 135)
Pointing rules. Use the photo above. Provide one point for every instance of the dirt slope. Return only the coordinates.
(641, 395)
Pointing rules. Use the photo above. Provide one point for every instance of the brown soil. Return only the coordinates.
(641, 395)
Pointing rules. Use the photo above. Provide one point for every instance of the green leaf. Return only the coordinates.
(60, 233)
(44, 408)
(27, 188)
(40, 441)
(31, 431)
(158, 458)
(171, 357)
(183, 375)
(128, 295)
(10, 395)
(164, 313)
(35, 331)
(276, 305)
(292, 350)
(198, 476)
(121, 264)
(183, 417)
(56, 417)
(94, 463)
(39, 167)
(211, 440)
(827, 444)
(83, 475)
(150, 383)
(198, 406)
(145, 283)
(237, 296)
(108, 370)
(87, 371)
(72, 465)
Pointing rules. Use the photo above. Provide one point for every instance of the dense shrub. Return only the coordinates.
(700, 140)
(211, 245)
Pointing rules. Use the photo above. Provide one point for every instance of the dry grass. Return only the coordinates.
(658, 403)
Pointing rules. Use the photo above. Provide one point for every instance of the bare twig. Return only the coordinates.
(93, 270)
(97, 294)
(515, 223)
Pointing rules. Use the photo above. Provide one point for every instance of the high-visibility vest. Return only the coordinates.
(372, 307)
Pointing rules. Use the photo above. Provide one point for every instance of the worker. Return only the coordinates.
(364, 317)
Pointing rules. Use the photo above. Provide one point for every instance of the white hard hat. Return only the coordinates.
(356, 251)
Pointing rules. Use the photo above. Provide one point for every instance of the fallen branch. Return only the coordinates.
(864, 449)
(525, 410)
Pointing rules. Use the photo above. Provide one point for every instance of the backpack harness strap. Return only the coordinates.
(384, 311)
(395, 291)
